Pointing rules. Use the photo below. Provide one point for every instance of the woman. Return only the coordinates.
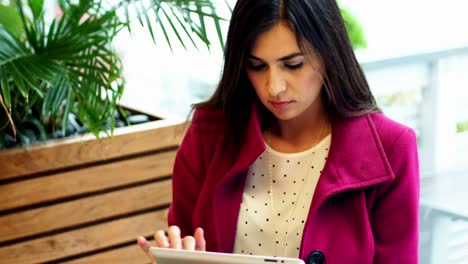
(291, 156)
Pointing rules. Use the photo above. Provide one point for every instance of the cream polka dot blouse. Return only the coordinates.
(276, 201)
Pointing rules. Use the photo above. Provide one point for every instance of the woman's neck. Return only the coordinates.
(300, 133)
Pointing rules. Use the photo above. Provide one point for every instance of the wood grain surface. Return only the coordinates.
(63, 153)
(86, 180)
(86, 210)
(84, 240)
(84, 200)
(125, 255)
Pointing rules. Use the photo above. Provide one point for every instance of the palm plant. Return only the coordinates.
(354, 29)
(51, 67)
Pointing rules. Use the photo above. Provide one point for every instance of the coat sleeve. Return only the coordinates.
(187, 178)
(395, 215)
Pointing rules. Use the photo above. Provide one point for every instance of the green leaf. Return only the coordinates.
(11, 20)
(28, 78)
(193, 26)
(218, 28)
(161, 25)
(182, 25)
(68, 104)
(36, 8)
(61, 29)
(11, 48)
(201, 18)
(139, 14)
(127, 20)
(39, 127)
(8, 115)
(25, 142)
(54, 99)
(148, 23)
(50, 35)
(203, 13)
(354, 29)
(43, 68)
(28, 27)
(6, 92)
(173, 28)
(18, 80)
(228, 6)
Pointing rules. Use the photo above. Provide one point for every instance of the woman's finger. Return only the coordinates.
(175, 240)
(200, 242)
(145, 245)
(161, 239)
(188, 243)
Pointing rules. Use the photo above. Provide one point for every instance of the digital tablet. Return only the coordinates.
(176, 256)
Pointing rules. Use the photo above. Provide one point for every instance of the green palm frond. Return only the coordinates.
(183, 19)
(52, 67)
(70, 62)
(10, 19)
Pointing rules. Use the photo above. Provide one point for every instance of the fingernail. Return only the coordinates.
(141, 241)
(200, 230)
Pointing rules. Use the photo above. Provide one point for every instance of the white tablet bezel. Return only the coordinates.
(176, 256)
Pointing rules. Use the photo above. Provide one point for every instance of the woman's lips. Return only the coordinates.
(280, 104)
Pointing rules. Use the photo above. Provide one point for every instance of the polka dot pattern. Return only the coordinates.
(275, 229)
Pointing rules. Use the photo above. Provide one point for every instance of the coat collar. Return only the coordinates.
(356, 160)
(356, 157)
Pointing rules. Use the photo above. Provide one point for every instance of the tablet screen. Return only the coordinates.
(175, 256)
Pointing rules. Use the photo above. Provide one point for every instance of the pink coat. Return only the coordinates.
(365, 206)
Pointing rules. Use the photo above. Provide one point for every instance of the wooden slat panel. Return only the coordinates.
(84, 210)
(85, 180)
(80, 150)
(84, 240)
(126, 255)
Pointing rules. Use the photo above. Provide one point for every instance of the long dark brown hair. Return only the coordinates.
(318, 25)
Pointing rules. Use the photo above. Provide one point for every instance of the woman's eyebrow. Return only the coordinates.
(285, 58)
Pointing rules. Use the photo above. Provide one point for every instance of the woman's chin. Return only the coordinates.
(284, 115)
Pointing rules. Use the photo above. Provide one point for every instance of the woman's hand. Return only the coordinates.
(174, 240)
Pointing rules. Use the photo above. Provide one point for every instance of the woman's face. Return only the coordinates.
(286, 82)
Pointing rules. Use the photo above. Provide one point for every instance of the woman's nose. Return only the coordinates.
(276, 84)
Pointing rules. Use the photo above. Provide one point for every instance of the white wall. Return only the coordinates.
(400, 27)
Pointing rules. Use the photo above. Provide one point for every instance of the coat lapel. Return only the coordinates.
(230, 188)
(356, 159)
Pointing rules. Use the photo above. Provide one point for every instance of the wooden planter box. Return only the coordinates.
(83, 200)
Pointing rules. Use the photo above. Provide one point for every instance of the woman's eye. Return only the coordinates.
(294, 66)
(258, 67)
